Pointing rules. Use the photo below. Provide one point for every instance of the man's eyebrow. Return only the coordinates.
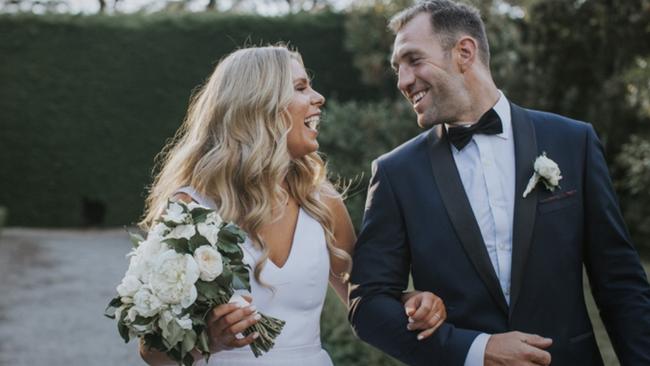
(404, 54)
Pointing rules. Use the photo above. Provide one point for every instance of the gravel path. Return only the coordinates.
(54, 287)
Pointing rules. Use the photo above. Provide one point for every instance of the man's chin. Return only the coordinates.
(426, 122)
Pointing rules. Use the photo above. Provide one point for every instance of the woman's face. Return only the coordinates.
(304, 110)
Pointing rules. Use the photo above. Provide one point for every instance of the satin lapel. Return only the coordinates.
(460, 212)
(525, 208)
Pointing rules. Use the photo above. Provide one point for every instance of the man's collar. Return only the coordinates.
(503, 110)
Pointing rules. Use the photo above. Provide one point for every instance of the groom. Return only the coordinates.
(451, 207)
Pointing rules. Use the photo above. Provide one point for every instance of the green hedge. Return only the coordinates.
(87, 102)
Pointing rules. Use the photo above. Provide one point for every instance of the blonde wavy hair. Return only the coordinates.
(232, 148)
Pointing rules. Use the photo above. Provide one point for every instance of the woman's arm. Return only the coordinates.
(344, 238)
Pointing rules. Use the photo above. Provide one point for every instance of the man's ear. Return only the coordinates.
(466, 53)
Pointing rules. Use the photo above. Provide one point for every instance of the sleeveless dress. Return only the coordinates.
(297, 297)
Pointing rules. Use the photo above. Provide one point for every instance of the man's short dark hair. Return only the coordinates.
(449, 21)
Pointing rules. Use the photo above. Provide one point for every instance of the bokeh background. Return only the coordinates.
(91, 90)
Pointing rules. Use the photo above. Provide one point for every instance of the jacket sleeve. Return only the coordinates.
(618, 281)
(380, 274)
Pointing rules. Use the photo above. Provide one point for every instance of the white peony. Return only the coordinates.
(129, 286)
(173, 278)
(145, 303)
(182, 232)
(143, 258)
(176, 214)
(209, 261)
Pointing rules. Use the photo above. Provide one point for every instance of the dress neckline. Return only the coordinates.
(293, 242)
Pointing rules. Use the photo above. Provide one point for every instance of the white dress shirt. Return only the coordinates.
(486, 166)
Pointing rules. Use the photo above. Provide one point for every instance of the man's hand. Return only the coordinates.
(517, 348)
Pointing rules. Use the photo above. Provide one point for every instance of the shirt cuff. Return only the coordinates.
(476, 353)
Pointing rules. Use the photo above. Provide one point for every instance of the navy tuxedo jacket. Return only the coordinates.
(418, 220)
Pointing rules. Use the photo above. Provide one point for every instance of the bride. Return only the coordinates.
(248, 148)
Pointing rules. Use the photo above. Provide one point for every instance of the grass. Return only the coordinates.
(346, 350)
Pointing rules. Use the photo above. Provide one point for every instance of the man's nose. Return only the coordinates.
(405, 79)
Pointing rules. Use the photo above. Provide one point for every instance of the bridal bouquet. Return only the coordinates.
(190, 262)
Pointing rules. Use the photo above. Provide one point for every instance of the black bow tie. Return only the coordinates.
(488, 124)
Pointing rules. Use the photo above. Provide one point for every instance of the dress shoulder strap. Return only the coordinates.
(197, 197)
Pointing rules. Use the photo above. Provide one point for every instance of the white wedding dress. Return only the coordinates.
(297, 297)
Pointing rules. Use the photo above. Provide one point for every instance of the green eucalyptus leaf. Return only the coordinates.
(173, 333)
(232, 234)
(136, 239)
(122, 328)
(196, 241)
(228, 247)
(241, 279)
(110, 310)
(140, 320)
(188, 360)
(225, 278)
(189, 341)
(179, 245)
(203, 342)
(199, 214)
(208, 289)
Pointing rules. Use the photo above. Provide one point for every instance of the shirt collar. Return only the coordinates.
(503, 110)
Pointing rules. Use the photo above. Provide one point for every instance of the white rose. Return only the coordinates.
(173, 278)
(176, 214)
(182, 232)
(209, 261)
(145, 303)
(208, 231)
(129, 286)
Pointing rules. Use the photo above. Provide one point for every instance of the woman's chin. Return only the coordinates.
(303, 151)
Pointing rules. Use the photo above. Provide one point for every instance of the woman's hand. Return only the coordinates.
(226, 321)
(425, 310)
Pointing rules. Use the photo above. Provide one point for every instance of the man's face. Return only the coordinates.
(427, 76)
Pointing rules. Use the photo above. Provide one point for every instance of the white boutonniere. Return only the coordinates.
(547, 171)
